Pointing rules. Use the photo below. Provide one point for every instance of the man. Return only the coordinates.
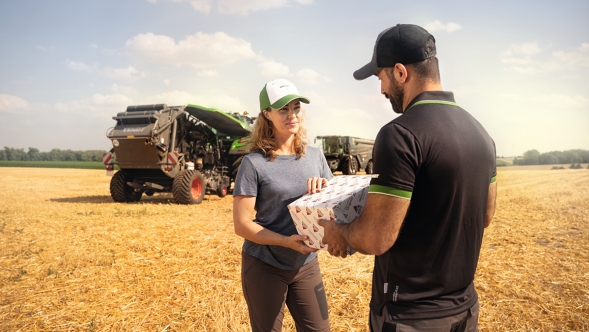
(435, 193)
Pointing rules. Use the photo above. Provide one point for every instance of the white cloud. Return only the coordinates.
(200, 50)
(10, 104)
(317, 99)
(125, 74)
(578, 57)
(237, 7)
(550, 102)
(530, 48)
(93, 46)
(166, 82)
(223, 102)
(80, 66)
(562, 102)
(39, 47)
(327, 79)
(207, 73)
(201, 5)
(308, 76)
(243, 7)
(271, 68)
(98, 106)
(438, 25)
(524, 59)
(122, 89)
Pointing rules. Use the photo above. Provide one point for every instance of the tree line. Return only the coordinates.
(534, 157)
(33, 154)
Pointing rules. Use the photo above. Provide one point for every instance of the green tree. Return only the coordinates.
(532, 157)
(34, 154)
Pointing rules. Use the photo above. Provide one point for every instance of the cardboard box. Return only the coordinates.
(342, 200)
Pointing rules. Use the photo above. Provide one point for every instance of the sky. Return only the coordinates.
(68, 66)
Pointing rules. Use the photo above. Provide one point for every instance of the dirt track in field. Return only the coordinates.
(72, 260)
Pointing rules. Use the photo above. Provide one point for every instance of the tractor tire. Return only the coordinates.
(120, 191)
(349, 166)
(369, 167)
(188, 187)
(222, 190)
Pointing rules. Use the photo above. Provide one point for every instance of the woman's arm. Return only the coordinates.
(243, 211)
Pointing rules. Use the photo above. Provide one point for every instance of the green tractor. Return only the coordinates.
(347, 154)
(187, 150)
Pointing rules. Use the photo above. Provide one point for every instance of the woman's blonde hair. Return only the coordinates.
(262, 138)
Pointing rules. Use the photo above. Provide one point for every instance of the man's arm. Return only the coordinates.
(374, 232)
(491, 203)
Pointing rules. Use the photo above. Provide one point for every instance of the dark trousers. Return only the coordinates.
(466, 321)
(267, 288)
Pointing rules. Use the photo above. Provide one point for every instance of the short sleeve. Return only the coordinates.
(397, 157)
(324, 167)
(494, 172)
(246, 181)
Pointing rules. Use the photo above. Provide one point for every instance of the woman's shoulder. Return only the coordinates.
(253, 155)
(312, 150)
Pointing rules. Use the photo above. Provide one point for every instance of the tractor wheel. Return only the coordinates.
(369, 167)
(120, 191)
(149, 192)
(221, 190)
(349, 166)
(188, 187)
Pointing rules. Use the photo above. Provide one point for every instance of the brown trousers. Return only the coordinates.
(267, 288)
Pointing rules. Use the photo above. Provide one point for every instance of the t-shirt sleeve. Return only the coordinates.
(397, 157)
(494, 172)
(246, 181)
(324, 167)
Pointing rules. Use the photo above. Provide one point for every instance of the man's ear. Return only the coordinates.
(400, 73)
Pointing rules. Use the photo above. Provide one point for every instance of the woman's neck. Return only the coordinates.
(284, 145)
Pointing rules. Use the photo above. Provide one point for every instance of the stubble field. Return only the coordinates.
(72, 260)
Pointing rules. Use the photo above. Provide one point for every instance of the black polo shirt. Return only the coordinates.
(442, 159)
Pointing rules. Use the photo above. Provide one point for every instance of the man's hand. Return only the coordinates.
(333, 237)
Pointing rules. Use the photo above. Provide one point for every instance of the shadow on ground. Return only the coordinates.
(101, 199)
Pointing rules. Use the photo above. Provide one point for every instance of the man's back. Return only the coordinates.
(445, 160)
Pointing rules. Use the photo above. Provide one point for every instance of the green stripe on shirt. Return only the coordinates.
(443, 102)
(378, 189)
(494, 179)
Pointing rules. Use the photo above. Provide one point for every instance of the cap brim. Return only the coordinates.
(280, 103)
(368, 70)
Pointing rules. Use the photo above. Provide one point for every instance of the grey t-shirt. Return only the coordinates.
(276, 184)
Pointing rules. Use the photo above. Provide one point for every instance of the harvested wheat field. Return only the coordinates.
(72, 260)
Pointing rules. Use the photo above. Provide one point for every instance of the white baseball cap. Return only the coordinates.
(278, 93)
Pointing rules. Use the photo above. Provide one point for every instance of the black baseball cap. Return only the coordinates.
(403, 43)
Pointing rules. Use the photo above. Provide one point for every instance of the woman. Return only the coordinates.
(277, 267)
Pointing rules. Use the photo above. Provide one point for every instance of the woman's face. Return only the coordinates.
(286, 121)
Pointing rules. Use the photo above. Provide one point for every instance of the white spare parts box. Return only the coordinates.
(342, 200)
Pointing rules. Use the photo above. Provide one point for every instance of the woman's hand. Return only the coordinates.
(295, 242)
(314, 185)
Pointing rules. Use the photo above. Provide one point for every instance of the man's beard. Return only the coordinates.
(395, 95)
